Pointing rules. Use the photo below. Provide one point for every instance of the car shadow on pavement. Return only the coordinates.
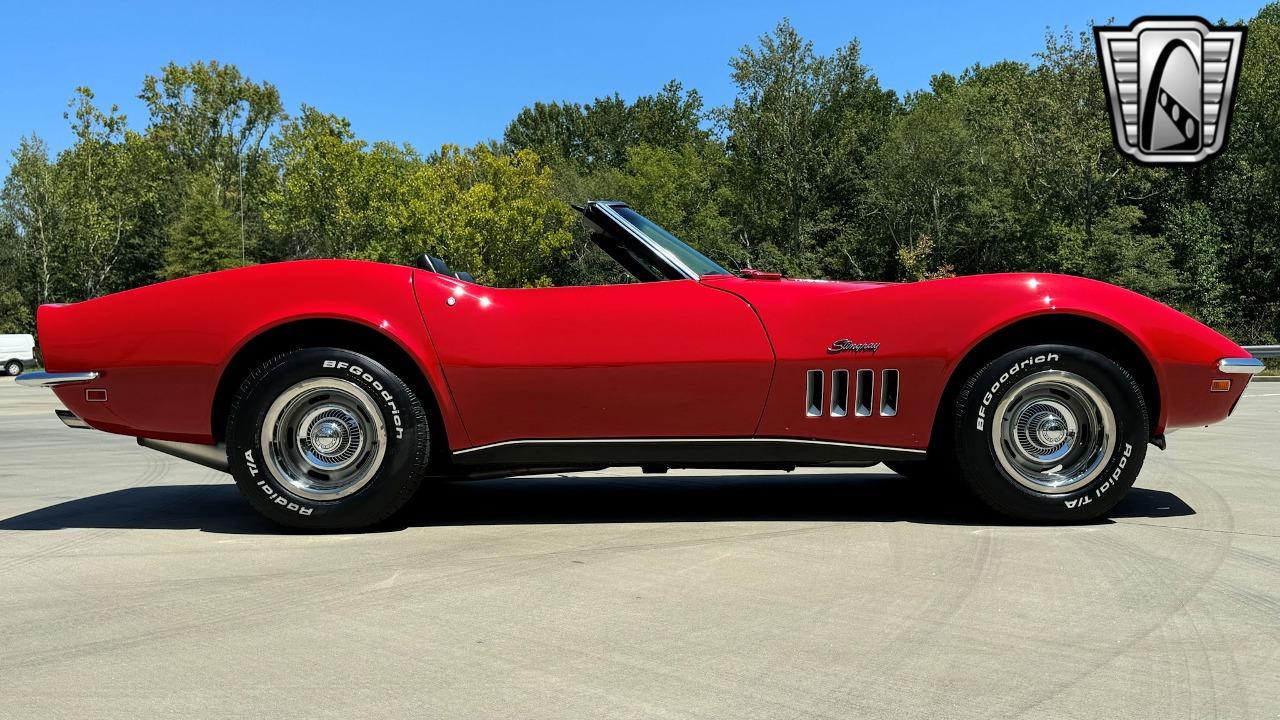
(580, 499)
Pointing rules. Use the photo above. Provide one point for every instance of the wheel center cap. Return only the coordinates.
(326, 436)
(1052, 431)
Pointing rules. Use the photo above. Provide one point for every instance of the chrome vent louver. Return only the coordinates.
(813, 393)
(889, 393)
(839, 393)
(866, 391)
(861, 392)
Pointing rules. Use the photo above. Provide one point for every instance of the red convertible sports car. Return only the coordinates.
(332, 390)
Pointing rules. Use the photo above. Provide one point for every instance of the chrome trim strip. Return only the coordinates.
(71, 420)
(582, 441)
(44, 379)
(210, 456)
(606, 206)
(813, 382)
(1231, 366)
(889, 405)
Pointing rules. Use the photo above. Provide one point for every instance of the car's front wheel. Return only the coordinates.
(13, 368)
(1050, 433)
(325, 438)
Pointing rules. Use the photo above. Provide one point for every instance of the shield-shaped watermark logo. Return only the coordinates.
(1170, 83)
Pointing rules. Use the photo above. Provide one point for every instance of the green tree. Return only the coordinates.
(1240, 189)
(204, 236)
(110, 188)
(491, 214)
(211, 121)
(15, 313)
(32, 200)
(598, 135)
(319, 205)
(1195, 244)
(812, 169)
(683, 189)
(799, 133)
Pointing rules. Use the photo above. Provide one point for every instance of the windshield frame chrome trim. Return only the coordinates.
(661, 253)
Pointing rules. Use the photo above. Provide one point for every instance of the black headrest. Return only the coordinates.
(465, 276)
(431, 263)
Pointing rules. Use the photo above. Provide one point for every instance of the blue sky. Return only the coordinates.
(429, 73)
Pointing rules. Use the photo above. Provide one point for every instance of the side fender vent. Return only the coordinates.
(813, 394)
(839, 393)
(889, 393)
(865, 393)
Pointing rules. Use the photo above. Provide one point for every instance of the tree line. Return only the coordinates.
(813, 169)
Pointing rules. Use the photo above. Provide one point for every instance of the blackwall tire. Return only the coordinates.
(1050, 433)
(327, 439)
(13, 368)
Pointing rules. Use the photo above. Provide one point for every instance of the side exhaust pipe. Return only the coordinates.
(210, 456)
(71, 420)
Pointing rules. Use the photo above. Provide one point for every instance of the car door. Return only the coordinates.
(662, 359)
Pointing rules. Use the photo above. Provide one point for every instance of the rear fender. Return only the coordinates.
(161, 351)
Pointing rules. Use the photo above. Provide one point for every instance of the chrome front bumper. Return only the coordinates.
(45, 379)
(1240, 366)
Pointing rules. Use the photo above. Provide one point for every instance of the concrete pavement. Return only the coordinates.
(136, 585)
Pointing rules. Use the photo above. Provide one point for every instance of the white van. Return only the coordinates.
(17, 353)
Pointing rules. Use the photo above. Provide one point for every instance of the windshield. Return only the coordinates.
(697, 262)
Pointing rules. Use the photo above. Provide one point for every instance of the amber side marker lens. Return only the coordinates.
(1219, 386)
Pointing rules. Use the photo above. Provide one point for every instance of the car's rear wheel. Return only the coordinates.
(1050, 433)
(325, 438)
(13, 367)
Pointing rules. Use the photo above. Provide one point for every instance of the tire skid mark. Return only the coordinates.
(156, 469)
(264, 614)
(1216, 549)
(767, 705)
(887, 660)
(298, 592)
(485, 563)
(1131, 562)
(1236, 694)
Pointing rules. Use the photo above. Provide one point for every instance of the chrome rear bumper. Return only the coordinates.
(45, 379)
(1240, 366)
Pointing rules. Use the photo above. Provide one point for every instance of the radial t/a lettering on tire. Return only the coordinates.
(1050, 433)
(325, 438)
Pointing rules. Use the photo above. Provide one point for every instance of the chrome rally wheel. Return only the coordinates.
(1050, 433)
(325, 438)
(1053, 432)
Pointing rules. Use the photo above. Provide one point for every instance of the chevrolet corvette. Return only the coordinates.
(332, 390)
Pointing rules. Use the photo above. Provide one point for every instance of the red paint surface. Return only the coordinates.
(926, 328)
(663, 359)
(160, 350)
(723, 357)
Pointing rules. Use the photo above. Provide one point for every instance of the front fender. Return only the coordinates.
(927, 329)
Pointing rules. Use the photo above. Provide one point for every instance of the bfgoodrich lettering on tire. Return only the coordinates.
(1050, 433)
(325, 438)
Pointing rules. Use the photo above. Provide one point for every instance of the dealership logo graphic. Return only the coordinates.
(1170, 83)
